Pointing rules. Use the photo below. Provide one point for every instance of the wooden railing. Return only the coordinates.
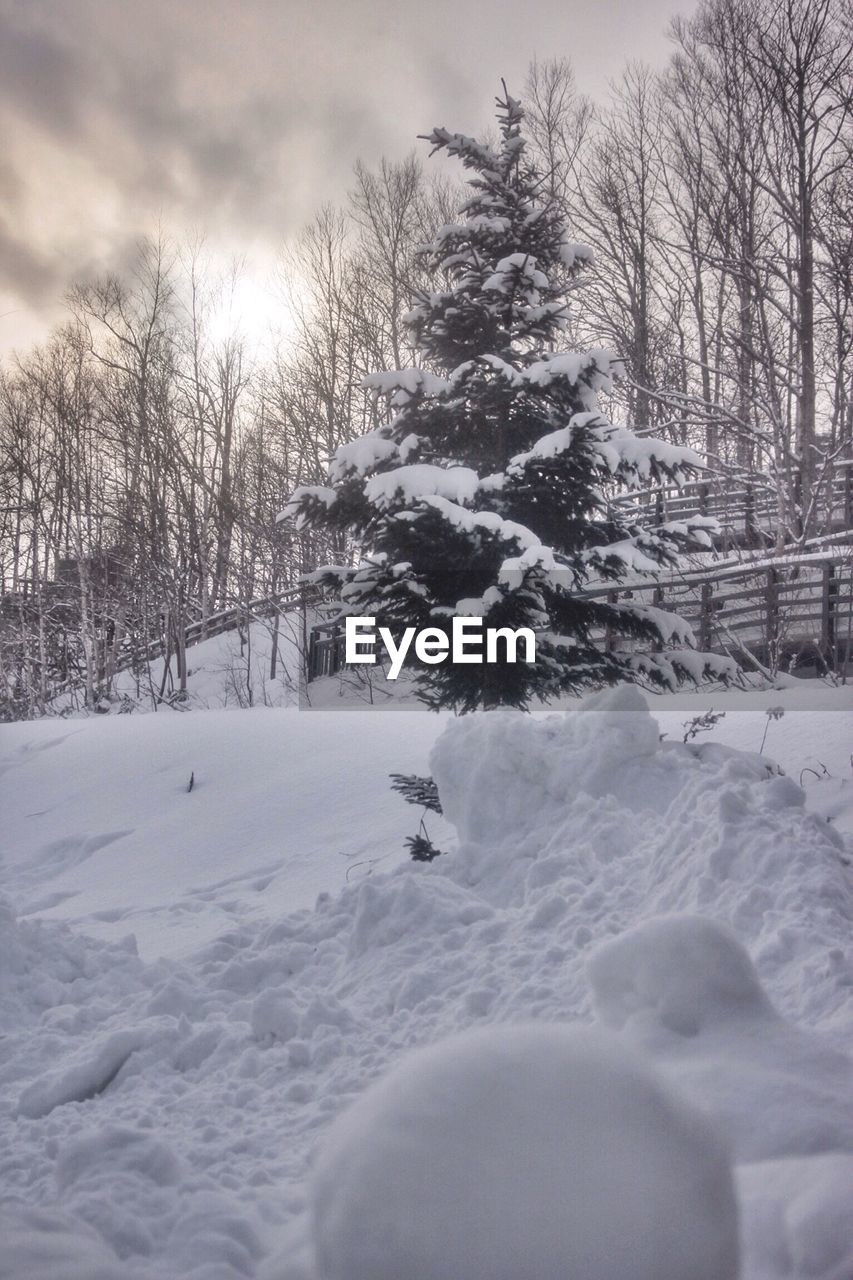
(745, 503)
(797, 606)
(767, 608)
(215, 624)
(289, 600)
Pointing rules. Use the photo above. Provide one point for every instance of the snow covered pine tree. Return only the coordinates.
(483, 496)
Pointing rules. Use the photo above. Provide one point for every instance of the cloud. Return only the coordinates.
(241, 118)
(39, 73)
(26, 272)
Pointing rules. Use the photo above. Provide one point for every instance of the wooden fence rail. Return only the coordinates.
(798, 608)
(288, 600)
(746, 504)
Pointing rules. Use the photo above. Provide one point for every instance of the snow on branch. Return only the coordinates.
(473, 154)
(402, 385)
(457, 484)
(308, 494)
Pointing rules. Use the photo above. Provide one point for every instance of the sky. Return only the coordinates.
(238, 119)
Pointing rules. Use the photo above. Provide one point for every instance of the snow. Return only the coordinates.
(40, 1245)
(499, 226)
(319, 492)
(362, 455)
(671, 628)
(488, 522)
(598, 366)
(684, 989)
(572, 253)
(88, 1073)
(517, 271)
(471, 152)
(507, 371)
(401, 385)
(619, 447)
(195, 988)
(568, 1154)
(547, 446)
(626, 552)
(408, 484)
(682, 973)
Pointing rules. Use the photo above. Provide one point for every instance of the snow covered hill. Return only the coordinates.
(195, 984)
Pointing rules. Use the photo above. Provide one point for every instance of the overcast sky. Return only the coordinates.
(240, 117)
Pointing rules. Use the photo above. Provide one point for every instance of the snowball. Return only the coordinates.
(536, 1151)
(685, 972)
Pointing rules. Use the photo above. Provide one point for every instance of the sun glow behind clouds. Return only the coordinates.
(253, 305)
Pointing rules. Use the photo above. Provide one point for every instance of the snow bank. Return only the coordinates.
(532, 1150)
(682, 895)
(594, 813)
(507, 772)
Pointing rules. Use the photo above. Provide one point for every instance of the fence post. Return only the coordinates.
(660, 510)
(657, 601)
(829, 601)
(772, 603)
(751, 530)
(847, 494)
(312, 655)
(337, 650)
(705, 616)
(611, 597)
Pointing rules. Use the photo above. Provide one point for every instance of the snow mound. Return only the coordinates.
(685, 972)
(497, 772)
(595, 823)
(684, 989)
(534, 1150)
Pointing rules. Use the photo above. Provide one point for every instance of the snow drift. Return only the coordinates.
(681, 895)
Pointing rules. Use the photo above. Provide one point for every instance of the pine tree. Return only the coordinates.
(484, 493)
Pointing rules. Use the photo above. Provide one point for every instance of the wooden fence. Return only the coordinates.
(797, 610)
(286, 601)
(173, 642)
(788, 610)
(325, 650)
(746, 504)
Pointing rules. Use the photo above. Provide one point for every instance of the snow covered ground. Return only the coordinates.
(196, 985)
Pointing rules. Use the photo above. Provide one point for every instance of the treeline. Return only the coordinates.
(143, 456)
(719, 198)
